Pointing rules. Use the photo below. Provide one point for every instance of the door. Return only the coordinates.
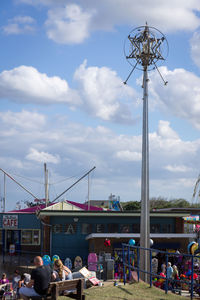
(12, 238)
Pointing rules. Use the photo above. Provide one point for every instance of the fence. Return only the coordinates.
(188, 265)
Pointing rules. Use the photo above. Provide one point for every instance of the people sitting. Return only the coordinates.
(4, 279)
(40, 279)
(15, 280)
(60, 271)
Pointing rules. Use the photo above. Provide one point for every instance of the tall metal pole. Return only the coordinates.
(145, 48)
(46, 185)
(89, 191)
(145, 219)
(4, 197)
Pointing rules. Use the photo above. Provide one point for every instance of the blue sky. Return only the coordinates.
(63, 101)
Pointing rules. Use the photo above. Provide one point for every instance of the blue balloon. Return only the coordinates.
(131, 242)
(46, 260)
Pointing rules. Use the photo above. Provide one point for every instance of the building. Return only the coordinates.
(69, 229)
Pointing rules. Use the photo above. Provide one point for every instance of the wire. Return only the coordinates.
(68, 178)
(27, 178)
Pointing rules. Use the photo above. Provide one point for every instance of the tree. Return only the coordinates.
(131, 205)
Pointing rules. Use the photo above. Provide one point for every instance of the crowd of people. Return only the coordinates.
(178, 271)
(25, 286)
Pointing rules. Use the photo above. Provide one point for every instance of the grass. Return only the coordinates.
(136, 291)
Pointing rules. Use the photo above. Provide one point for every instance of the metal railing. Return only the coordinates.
(133, 252)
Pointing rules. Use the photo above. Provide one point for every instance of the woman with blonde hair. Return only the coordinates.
(61, 272)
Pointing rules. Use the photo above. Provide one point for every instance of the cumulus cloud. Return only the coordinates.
(101, 90)
(42, 156)
(195, 47)
(181, 97)
(68, 25)
(177, 168)
(127, 155)
(72, 148)
(26, 84)
(19, 25)
(25, 120)
(165, 131)
(83, 17)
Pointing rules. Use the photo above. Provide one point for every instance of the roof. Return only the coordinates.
(86, 207)
(29, 210)
(58, 206)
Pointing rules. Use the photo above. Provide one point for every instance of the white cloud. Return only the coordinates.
(72, 148)
(75, 22)
(165, 131)
(177, 168)
(42, 156)
(181, 96)
(127, 155)
(26, 84)
(19, 25)
(101, 90)
(68, 25)
(195, 48)
(135, 12)
(25, 119)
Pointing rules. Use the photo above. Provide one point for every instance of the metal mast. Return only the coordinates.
(145, 48)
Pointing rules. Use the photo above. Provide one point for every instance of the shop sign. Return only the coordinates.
(10, 221)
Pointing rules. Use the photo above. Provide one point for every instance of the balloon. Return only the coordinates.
(189, 246)
(107, 243)
(151, 242)
(131, 242)
(46, 260)
(194, 248)
(55, 257)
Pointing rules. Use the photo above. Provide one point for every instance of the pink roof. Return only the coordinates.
(30, 210)
(85, 206)
(33, 209)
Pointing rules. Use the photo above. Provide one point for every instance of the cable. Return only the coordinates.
(68, 178)
(27, 178)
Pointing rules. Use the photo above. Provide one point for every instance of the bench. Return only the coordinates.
(56, 289)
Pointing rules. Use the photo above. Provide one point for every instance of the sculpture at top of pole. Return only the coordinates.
(144, 49)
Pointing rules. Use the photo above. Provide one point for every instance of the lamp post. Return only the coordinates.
(145, 48)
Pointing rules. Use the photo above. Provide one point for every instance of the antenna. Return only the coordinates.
(145, 48)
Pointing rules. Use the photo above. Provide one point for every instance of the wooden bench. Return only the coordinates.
(56, 289)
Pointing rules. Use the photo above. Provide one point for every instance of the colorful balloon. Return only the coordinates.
(189, 246)
(131, 242)
(46, 260)
(55, 257)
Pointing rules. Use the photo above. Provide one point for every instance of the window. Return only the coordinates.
(155, 228)
(124, 228)
(113, 228)
(100, 228)
(57, 228)
(30, 237)
(167, 228)
(136, 228)
(86, 228)
(70, 228)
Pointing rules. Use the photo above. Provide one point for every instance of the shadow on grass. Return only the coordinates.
(124, 290)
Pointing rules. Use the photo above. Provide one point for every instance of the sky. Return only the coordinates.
(63, 101)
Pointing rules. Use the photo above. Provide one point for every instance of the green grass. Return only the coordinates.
(136, 291)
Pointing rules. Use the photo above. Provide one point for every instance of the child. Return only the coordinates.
(4, 279)
(15, 280)
(21, 282)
